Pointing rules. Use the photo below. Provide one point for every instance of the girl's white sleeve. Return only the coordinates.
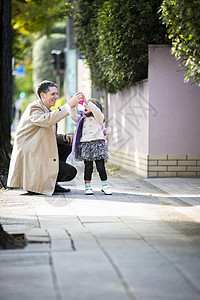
(73, 114)
(98, 115)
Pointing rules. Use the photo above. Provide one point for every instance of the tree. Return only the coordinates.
(33, 60)
(35, 16)
(5, 87)
(6, 240)
(182, 17)
(11, 241)
(28, 17)
(113, 36)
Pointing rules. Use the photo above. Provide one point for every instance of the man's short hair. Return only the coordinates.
(43, 87)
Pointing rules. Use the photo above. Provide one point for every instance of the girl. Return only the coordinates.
(89, 143)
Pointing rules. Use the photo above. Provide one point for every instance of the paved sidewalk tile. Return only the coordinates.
(140, 243)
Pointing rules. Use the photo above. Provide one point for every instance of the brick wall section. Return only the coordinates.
(173, 166)
(156, 165)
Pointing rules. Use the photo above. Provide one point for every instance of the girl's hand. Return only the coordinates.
(85, 100)
(81, 102)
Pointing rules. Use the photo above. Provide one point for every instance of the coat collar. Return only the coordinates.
(43, 106)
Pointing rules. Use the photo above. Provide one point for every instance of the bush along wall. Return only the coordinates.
(114, 35)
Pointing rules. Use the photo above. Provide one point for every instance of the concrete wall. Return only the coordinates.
(156, 124)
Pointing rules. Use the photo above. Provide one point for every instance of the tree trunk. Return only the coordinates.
(6, 85)
(11, 241)
(7, 241)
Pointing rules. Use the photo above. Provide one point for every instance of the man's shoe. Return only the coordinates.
(60, 189)
(33, 193)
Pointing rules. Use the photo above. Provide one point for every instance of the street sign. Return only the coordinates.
(19, 71)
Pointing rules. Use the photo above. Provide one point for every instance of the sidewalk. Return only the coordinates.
(141, 243)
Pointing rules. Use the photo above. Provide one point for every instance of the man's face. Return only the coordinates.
(49, 98)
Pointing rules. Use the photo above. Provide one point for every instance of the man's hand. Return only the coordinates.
(75, 99)
(69, 138)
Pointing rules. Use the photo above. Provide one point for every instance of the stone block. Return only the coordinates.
(153, 162)
(186, 174)
(157, 168)
(167, 162)
(193, 157)
(152, 174)
(167, 174)
(177, 157)
(177, 168)
(157, 157)
(187, 163)
(194, 168)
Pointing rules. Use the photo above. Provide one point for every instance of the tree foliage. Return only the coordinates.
(113, 36)
(32, 19)
(34, 16)
(39, 55)
(182, 18)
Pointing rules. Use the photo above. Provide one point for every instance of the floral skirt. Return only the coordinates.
(94, 150)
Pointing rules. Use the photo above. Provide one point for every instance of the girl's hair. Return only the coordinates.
(97, 103)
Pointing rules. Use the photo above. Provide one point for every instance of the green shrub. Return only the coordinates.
(113, 36)
(182, 18)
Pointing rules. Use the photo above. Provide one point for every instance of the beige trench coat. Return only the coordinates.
(34, 162)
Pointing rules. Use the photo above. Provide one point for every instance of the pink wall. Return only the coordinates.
(175, 129)
(158, 116)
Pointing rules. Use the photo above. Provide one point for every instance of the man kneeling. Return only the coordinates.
(39, 154)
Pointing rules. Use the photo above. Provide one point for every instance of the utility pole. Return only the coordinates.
(71, 65)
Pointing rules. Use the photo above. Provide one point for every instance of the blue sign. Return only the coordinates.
(20, 71)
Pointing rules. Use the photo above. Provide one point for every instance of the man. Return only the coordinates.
(37, 162)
